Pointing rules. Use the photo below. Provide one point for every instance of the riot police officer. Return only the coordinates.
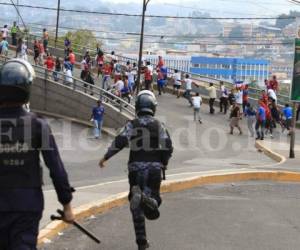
(23, 136)
(150, 150)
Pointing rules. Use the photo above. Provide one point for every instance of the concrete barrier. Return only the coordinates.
(60, 99)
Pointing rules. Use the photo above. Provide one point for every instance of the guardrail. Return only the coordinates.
(81, 86)
(254, 93)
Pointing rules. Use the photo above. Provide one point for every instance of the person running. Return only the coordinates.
(100, 62)
(212, 93)
(36, 51)
(4, 47)
(239, 98)
(287, 116)
(231, 98)
(67, 44)
(245, 96)
(57, 70)
(197, 101)
(4, 32)
(150, 150)
(21, 51)
(72, 59)
(107, 71)
(148, 78)
(50, 64)
(188, 88)
(97, 117)
(117, 70)
(118, 87)
(125, 92)
(14, 31)
(160, 82)
(250, 114)
(235, 116)
(45, 39)
(176, 83)
(223, 98)
(260, 121)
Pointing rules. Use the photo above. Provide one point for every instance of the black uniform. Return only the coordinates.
(23, 136)
(150, 150)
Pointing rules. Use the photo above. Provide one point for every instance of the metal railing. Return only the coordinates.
(81, 86)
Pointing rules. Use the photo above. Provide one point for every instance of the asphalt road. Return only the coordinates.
(197, 147)
(243, 216)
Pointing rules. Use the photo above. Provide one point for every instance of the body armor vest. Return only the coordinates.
(20, 142)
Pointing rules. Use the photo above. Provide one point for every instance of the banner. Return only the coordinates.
(295, 89)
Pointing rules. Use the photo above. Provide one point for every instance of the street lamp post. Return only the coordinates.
(145, 3)
(57, 22)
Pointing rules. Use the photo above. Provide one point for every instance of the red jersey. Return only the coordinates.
(107, 70)
(49, 63)
(160, 63)
(72, 58)
(148, 76)
(274, 85)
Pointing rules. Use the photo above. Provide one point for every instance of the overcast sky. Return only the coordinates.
(226, 7)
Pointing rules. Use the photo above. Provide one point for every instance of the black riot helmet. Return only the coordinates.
(145, 103)
(16, 77)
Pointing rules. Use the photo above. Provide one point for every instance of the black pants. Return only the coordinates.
(14, 39)
(19, 230)
(149, 180)
(211, 105)
(260, 127)
(148, 84)
(187, 95)
(223, 104)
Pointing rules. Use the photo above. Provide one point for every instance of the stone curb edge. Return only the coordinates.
(280, 159)
(118, 200)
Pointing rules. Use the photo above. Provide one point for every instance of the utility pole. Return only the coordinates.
(145, 3)
(57, 22)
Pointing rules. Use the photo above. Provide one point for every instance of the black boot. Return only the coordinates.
(143, 246)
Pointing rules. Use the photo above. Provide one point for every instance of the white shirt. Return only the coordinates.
(197, 101)
(239, 97)
(272, 94)
(4, 32)
(177, 78)
(224, 92)
(188, 84)
(119, 85)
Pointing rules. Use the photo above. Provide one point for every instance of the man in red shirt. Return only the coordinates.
(148, 78)
(160, 62)
(274, 84)
(107, 70)
(72, 59)
(49, 63)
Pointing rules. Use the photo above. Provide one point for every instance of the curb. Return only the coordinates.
(280, 159)
(118, 200)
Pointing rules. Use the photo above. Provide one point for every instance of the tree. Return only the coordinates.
(82, 38)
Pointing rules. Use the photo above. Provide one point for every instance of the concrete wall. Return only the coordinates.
(56, 98)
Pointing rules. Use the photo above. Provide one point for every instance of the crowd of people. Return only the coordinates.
(121, 80)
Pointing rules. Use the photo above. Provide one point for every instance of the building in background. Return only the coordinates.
(231, 69)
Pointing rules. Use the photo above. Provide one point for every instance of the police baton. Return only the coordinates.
(163, 169)
(77, 225)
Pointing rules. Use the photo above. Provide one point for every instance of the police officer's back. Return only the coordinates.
(150, 150)
(23, 136)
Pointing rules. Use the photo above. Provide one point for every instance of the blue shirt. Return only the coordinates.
(98, 113)
(288, 112)
(250, 112)
(261, 113)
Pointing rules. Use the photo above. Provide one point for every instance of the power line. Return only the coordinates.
(148, 16)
